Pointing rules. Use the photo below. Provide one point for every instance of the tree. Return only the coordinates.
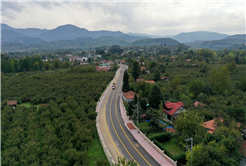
(15, 65)
(136, 70)
(157, 76)
(36, 66)
(2, 78)
(176, 81)
(155, 97)
(57, 63)
(196, 87)
(221, 79)
(122, 162)
(203, 67)
(232, 66)
(190, 124)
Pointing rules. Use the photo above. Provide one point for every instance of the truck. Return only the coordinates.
(113, 86)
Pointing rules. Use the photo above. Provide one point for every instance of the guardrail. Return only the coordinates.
(147, 139)
(101, 138)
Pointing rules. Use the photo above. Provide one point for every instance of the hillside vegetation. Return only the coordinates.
(59, 132)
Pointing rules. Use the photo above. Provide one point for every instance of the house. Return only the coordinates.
(196, 103)
(188, 60)
(101, 69)
(137, 80)
(129, 96)
(122, 54)
(143, 68)
(171, 110)
(60, 58)
(83, 63)
(163, 56)
(165, 78)
(173, 57)
(150, 82)
(110, 62)
(211, 125)
(105, 65)
(72, 59)
(152, 58)
(121, 62)
(103, 61)
(12, 103)
(85, 59)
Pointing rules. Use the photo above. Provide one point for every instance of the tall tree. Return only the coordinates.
(157, 76)
(221, 79)
(155, 97)
(136, 70)
(196, 87)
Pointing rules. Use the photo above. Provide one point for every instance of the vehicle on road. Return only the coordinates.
(113, 86)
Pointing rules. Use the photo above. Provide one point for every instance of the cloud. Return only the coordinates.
(157, 18)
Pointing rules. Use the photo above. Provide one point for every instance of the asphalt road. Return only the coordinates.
(121, 138)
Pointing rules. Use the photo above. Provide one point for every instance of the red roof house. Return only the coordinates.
(196, 103)
(12, 102)
(171, 110)
(163, 56)
(188, 60)
(129, 96)
(103, 61)
(150, 82)
(143, 68)
(110, 62)
(137, 80)
(122, 61)
(165, 78)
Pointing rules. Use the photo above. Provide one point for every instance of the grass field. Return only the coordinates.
(96, 152)
(27, 104)
(173, 147)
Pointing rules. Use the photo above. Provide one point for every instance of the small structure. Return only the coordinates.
(12, 103)
(72, 59)
(150, 82)
(143, 68)
(122, 62)
(85, 59)
(165, 78)
(163, 56)
(188, 60)
(103, 61)
(171, 110)
(110, 62)
(152, 58)
(137, 80)
(60, 58)
(196, 103)
(101, 69)
(83, 63)
(129, 96)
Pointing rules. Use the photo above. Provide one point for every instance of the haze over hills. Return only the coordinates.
(199, 35)
(70, 36)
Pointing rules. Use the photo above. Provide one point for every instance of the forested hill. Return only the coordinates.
(58, 132)
(157, 41)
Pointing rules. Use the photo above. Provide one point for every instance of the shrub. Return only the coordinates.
(181, 158)
(161, 137)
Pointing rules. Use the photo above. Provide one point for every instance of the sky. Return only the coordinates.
(159, 17)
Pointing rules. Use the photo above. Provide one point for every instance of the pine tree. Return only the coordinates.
(155, 97)
(157, 76)
(125, 87)
(136, 70)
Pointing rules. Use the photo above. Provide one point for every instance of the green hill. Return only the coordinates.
(151, 42)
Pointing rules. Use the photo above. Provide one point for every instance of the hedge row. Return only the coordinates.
(161, 137)
(181, 158)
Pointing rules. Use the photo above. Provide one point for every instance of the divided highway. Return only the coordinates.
(118, 138)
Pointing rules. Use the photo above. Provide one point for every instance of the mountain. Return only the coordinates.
(239, 36)
(218, 44)
(30, 32)
(144, 35)
(9, 36)
(200, 35)
(151, 42)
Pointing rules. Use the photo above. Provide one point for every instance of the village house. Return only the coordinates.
(129, 96)
(103, 61)
(171, 110)
(137, 80)
(60, 58)
(143, 68)
(83, 63)
(150, 82)
(165, 78)
(196, 103)
(163, 56)
(122, 62)
(110, 62)
(85, 59)
(12, 103)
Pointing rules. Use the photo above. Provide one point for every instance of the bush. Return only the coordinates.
(161, 137)
(181, 158)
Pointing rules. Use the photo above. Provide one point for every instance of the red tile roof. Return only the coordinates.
(101, 69)
(129, 95)
(196, 103)
(163, 56)
(164, 78)
(150, 81)
(173, 107)
(104, 61)
(12, 102)
(123, 61)
(137, 80)
(142, 67)
(188, 60)
(110, 62)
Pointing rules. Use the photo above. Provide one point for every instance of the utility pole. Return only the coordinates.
(191, 148)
